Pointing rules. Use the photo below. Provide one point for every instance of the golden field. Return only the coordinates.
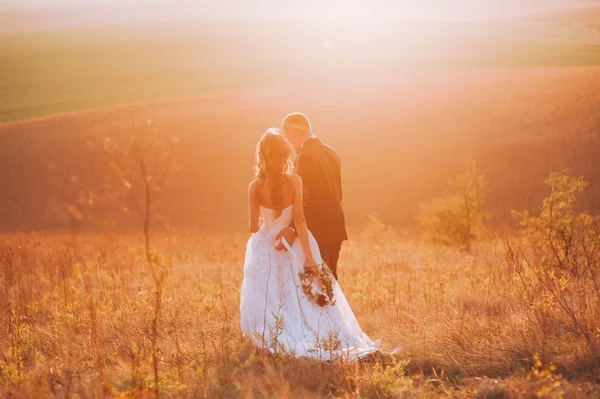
(78, 311)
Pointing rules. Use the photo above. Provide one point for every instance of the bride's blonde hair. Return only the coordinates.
(273, 165)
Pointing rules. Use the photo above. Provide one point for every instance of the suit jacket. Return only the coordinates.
(320, 169)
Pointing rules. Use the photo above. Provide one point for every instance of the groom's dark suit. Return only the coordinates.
(319, 167)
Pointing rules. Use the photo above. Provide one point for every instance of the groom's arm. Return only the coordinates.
(336, 171)
(306, 168)
(339, 178)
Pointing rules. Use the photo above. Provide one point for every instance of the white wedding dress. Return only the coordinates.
(275, 313)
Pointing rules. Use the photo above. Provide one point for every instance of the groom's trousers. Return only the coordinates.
(330, 254)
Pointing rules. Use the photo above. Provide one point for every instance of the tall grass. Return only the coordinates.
(77, 319)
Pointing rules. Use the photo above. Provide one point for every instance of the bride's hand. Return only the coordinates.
(311, 266)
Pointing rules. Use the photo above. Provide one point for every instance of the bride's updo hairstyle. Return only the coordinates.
(273, 165)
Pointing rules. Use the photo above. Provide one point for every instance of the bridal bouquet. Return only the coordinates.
(319, 288)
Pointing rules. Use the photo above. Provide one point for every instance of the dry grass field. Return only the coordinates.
(76, 315)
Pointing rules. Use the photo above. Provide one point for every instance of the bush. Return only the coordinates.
(456, 219)
(385, 381)
(559, 264)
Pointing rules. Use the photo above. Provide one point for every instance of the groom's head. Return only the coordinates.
(296, 128)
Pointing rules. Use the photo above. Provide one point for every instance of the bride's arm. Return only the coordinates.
(253, 206)
(300, 222)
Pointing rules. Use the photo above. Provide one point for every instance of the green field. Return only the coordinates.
(47, 73)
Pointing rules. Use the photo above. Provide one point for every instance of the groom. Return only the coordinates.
(319, 167)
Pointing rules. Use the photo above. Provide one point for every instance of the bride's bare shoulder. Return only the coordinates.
(296, 180)
(254, 186)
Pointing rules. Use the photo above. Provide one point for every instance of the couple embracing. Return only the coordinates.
(290, 300)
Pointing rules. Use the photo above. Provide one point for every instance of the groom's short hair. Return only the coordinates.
(297, 118)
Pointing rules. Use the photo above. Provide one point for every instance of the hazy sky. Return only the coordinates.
(514, 5)
(409, 9)
(62, 3)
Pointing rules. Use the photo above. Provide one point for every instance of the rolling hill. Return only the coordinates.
(399, 137)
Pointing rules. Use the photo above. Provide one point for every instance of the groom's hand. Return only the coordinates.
(289, 235)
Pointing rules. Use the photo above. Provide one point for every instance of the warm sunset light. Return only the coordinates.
(300, 199)
(338, 9)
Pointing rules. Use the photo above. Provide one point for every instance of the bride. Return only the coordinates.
(278, 307)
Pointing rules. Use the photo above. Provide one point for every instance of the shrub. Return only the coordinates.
(559, 264)
(456, 219)
(385, 381)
